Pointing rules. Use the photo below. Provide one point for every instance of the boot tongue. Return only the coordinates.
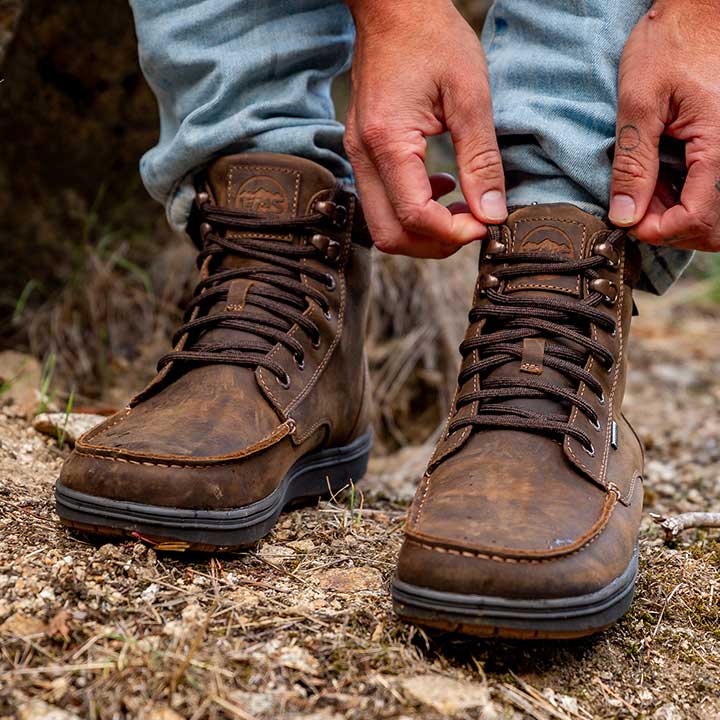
(272, 186)
(561, 230)
(279, 187)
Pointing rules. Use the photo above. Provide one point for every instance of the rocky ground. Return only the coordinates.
(302, 625)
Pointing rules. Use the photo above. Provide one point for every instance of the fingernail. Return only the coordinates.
(622, 209)
(493, 206)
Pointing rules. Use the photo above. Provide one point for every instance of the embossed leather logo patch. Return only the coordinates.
(263, 195)
(547, 239)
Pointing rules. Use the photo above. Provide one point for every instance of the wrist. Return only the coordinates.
(376, 15)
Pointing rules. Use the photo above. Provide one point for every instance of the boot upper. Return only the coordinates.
(537, 469)
(269, 363)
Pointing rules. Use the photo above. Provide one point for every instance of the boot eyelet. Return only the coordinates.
(316, 343)
(590, 451)
(488, 282)
(606, 288)
(299, 362)
(327, 314)
(595, 424)
(606, 250)
(284, 382)
(601, 398)
(337, 213)
(494, 247)
(330, 282)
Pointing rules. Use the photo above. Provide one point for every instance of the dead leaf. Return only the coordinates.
(39, 710)
(59, 625)
(22, 626)
(71, 426)
(160, 712)
(350, 580)
(297, 658)
(445, 695)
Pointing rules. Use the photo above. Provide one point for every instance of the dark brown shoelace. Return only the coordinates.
(511, 319)
(277, 288)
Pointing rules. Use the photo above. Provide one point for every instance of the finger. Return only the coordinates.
(647, 229)
(388, 234)
(695, 221)
(399, 163)
(637, 158)
(468, 116)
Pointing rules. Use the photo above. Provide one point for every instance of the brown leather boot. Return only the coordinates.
(264, 398)
(525, 523)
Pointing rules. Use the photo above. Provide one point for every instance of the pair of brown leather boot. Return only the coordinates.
(525, 522)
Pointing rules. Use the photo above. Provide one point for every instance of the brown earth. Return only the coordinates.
(302, 625)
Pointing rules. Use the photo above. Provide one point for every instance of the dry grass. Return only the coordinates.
(302, 625)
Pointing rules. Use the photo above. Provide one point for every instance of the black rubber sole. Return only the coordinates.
(170, 528)
(485, 616)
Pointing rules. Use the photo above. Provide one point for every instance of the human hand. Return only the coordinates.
(669, 83)
(418, 71)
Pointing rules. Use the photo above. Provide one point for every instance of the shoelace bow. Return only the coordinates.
(278, 289)
(512, 319)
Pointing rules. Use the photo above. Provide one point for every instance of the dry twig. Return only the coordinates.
(676, 524)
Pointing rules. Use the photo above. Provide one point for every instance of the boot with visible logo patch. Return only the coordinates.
(525, 523)
(264, 398)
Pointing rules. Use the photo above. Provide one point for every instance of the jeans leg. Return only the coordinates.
(239, 76)
(553, 72)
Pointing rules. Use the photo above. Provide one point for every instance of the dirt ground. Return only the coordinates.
(302, 626)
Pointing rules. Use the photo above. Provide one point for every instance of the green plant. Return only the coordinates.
(21, 303)
(68, 410)
(46, 395)
(354, 495)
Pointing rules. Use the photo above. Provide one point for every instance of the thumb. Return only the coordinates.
(637, 161)
(471, 126)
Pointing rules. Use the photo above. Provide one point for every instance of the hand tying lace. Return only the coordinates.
(564, 324)
(277, 290)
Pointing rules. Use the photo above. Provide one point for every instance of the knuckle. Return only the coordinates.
(374, 133)
(385, 244)
(634, 104)
(702, 223)
(410, 215)
(628, 168)
(483, 161)
(352, 145)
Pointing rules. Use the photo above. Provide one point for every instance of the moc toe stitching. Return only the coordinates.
(511, 555)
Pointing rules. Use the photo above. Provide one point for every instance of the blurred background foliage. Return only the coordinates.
(89, 272)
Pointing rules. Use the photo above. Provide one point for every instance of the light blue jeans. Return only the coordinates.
(255, 75)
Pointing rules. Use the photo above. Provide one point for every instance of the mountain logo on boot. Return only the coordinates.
(549, 240)
(262, 195)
